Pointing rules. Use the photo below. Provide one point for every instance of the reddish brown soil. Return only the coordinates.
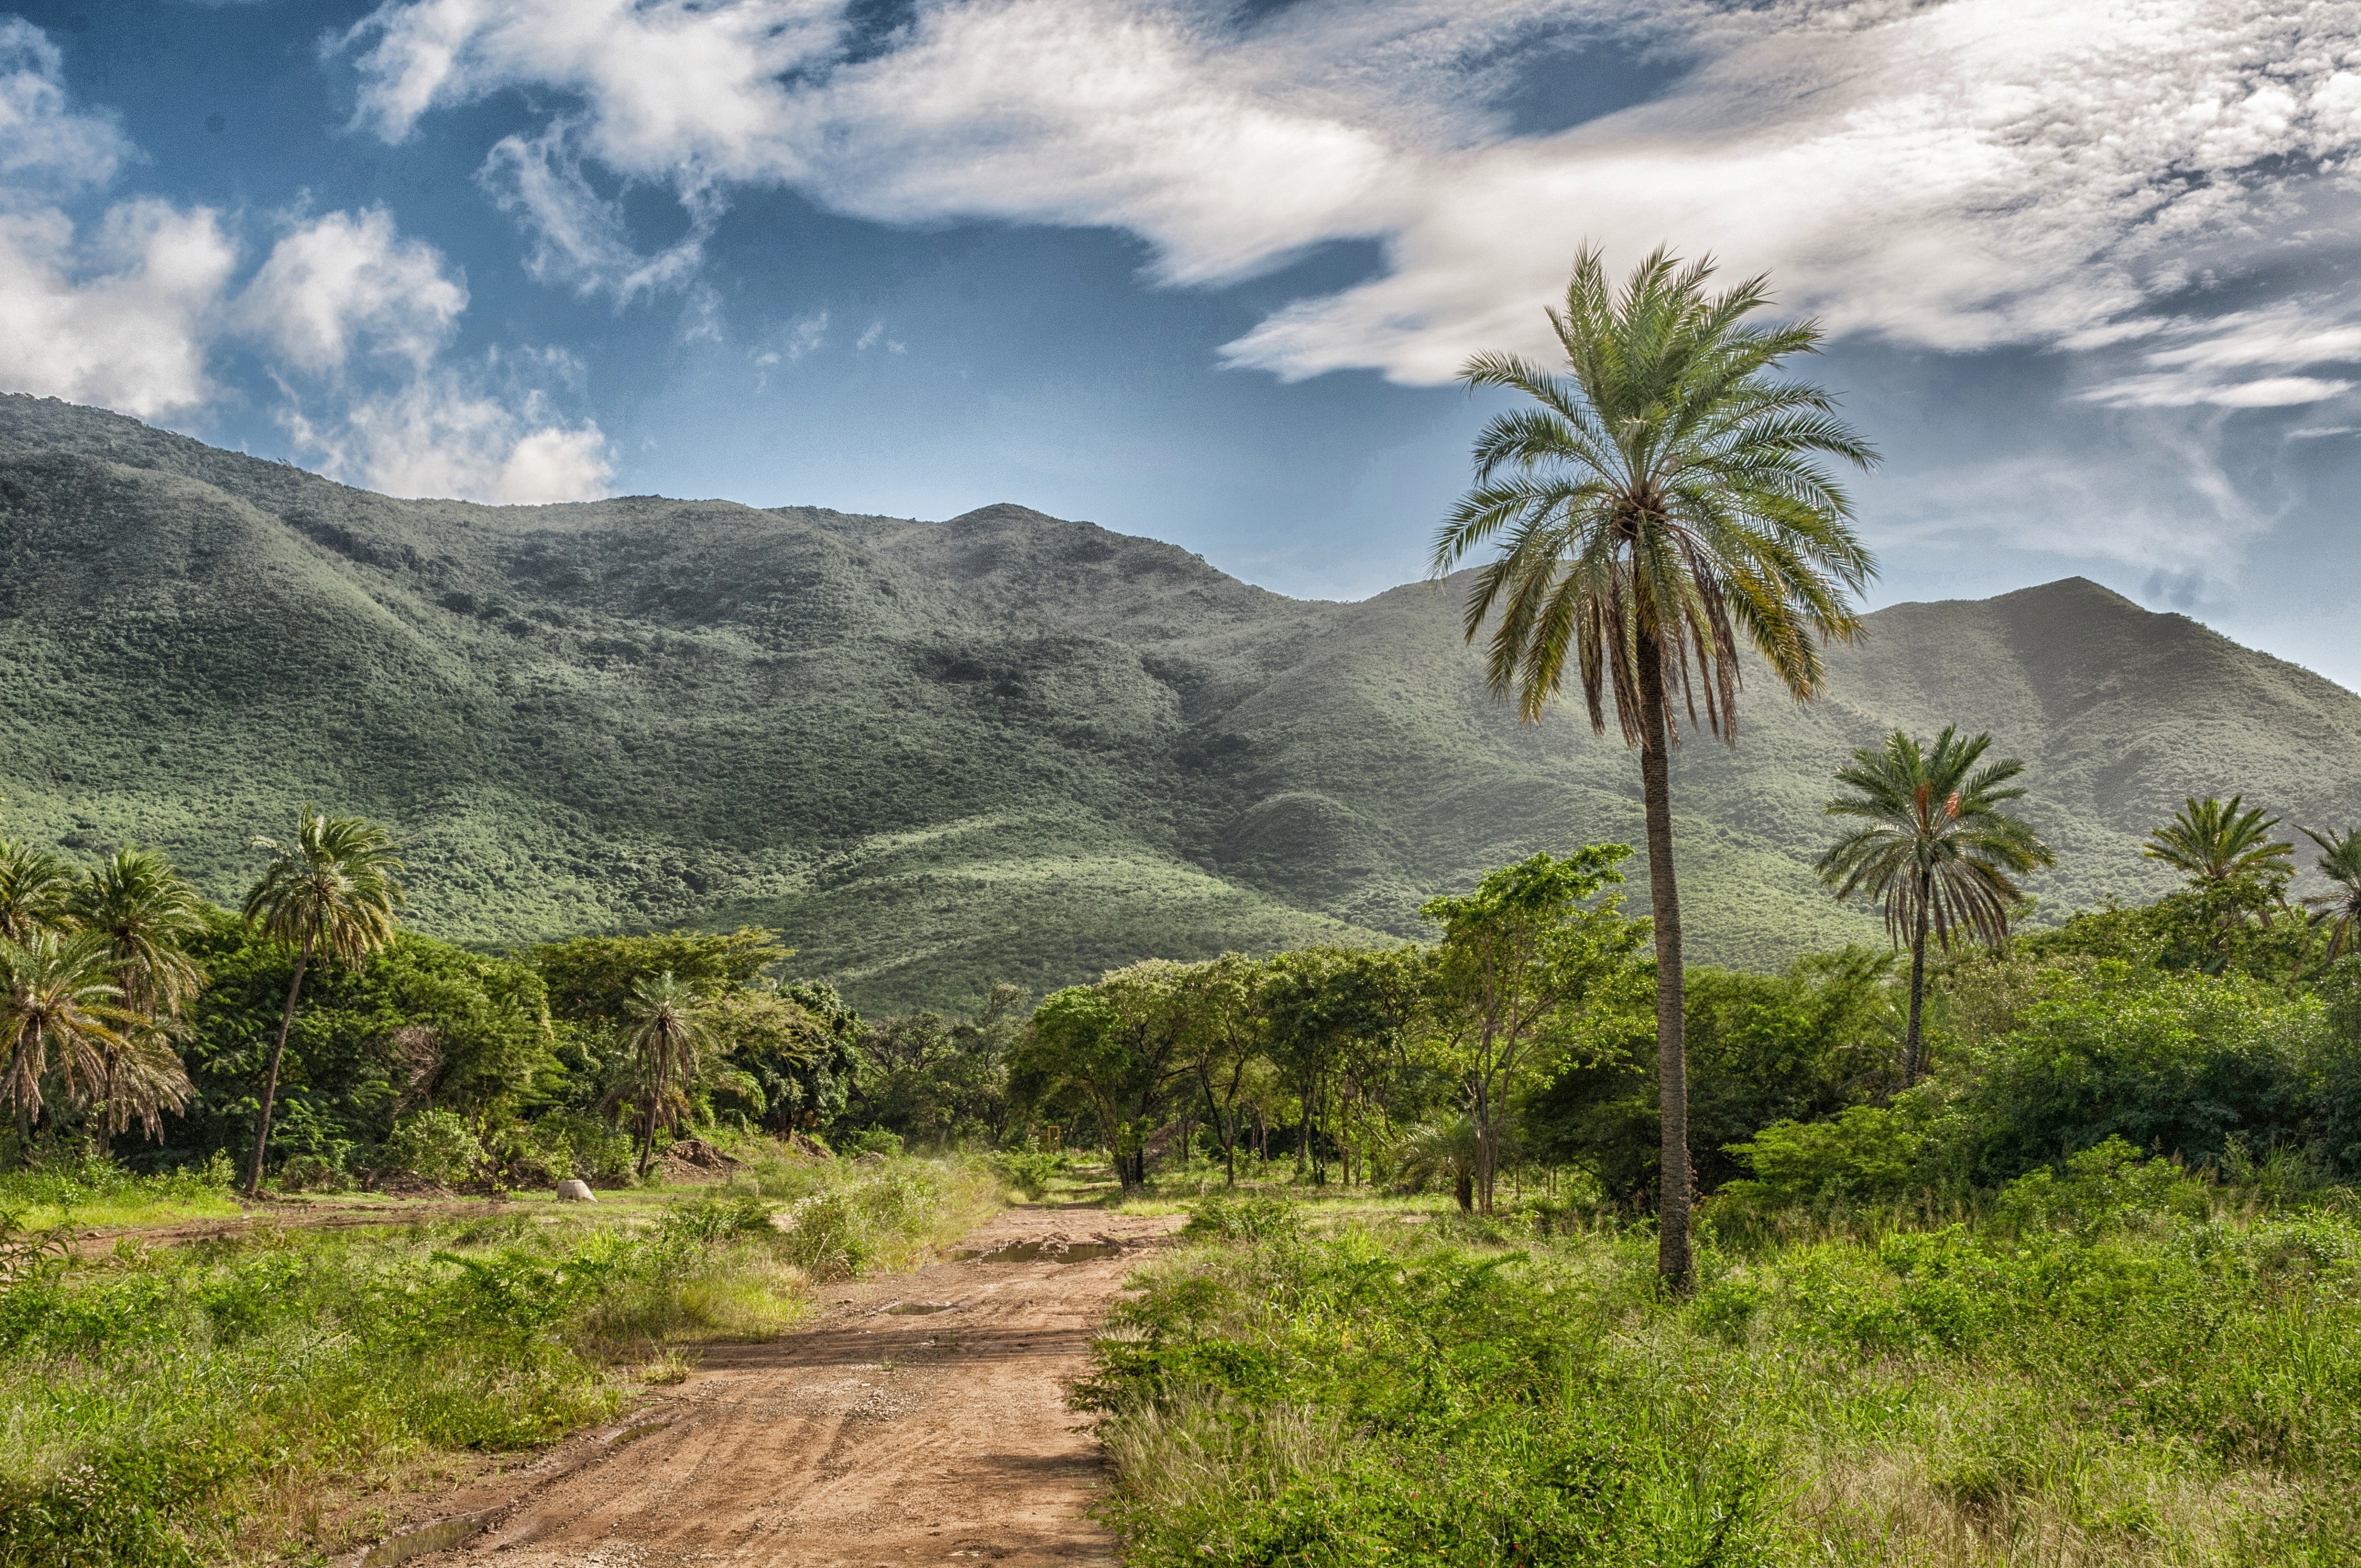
(921, 1419)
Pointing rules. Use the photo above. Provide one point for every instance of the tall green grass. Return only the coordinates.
(2120, 1366)
(210, 1403)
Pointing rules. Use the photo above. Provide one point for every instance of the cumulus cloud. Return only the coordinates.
(118, 313)
(46, 146)
(121, 317)
(350, 317)
(348, 278)
(440, 436)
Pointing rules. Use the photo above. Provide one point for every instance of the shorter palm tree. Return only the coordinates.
(145, 910)
(58, 1014)
(2340, 907)
(331, 892)
(2217, 844)
(1934, 849)
(668, 1033)
(34, 888)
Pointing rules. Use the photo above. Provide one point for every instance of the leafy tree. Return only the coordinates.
(1662, 504)
(418, 1024)
(35, 888)
(1332, 1017)
(1225, 1046)
(1112, 1050)
(934, 1082)
(1763, 1049)
(1935, 847)
(592, 978)
(333, 891)
(668, 1041)
(58, 1012)
(1518, 955)
(2339, 907)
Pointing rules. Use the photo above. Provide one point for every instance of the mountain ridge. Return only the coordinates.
(1000, 746)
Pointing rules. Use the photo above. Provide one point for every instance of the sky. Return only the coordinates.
(1207, 271)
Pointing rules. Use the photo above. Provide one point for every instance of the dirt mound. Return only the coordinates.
(694, 1159)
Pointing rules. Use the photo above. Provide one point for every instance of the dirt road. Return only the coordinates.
(921, 1419)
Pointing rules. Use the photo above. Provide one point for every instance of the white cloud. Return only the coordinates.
(351, 318)
(579, 236)
(122, 316)
(1954, 174)
(119, 312)
(437, 435)
(44, 145)
(2211, 360)
(350, 277)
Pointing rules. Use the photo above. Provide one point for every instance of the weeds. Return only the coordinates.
(197, 1404)
(2115, 1366)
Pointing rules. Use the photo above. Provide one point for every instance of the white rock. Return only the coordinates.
(573, 1191)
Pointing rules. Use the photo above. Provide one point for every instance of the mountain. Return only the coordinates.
(1005, 746)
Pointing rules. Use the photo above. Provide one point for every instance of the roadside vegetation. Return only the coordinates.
(236, 1399)
(2124, 1362)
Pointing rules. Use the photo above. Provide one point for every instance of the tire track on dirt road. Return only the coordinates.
(921, 1419)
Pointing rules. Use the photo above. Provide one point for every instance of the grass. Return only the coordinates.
(2169, 1379)
(215, 1402)
(100, 1194)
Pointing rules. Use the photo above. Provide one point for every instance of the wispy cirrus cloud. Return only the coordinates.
(1954, 175)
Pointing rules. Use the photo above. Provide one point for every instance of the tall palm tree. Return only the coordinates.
(331, 892)
(34, 887)
(2216, 843)
(668, 1031)
(145, 910)
(58, 1012)
(2340, 862)
(1663, 502)
(1935, 847)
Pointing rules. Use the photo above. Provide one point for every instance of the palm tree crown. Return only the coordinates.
(2340, 907)
(668, 1031)
(58, 1012)
(1933, 841)
(34, 887)
(332, 890)
(1660, 501)
(2215, 843)
(146, 911)
(1664, 495)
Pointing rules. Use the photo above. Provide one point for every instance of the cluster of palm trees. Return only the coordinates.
(93, 986)
(1666, 494)
(97, 979)
(2229, 856)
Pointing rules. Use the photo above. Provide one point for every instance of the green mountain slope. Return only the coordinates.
(938, 755)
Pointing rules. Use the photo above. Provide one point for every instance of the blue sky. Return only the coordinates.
(1203, 271)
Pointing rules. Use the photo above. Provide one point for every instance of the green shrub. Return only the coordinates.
(1237, 1218)
(434, 1146)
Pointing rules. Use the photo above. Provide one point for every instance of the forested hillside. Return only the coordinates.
(939, 754)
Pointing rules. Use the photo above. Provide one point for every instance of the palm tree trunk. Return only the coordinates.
(270, 1073)
(1914, 1056)
(1673, 1266)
